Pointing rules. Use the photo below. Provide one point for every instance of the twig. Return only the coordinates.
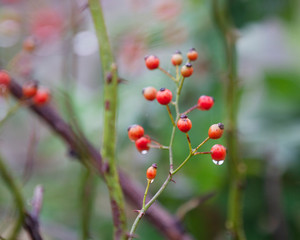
(167, 224)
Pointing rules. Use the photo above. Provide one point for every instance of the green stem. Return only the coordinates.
(180, 86)
(235, 164)
(170, 115)
(10, 112)
(146, 192)
(189, 141)
(19, 202)
(87, 195)
(109, 128)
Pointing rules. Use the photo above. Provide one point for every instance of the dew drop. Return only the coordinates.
(218, 162)
(144, 152)
(152, 181)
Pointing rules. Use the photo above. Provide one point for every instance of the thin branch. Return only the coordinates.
(166, 223)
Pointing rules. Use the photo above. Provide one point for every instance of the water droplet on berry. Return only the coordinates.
(152, 181)
(144, 152)
(218, 162)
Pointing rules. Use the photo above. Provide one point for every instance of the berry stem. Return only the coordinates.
(168, 74)
(146, 192)
(200, 145)
(177, 74)
(189, 141)
(190, 109)
(197, 153)
(181, 84)
(170, 115)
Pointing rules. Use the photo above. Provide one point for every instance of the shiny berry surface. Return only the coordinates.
(184, 124)
(135, 132)
(151, 171)
(205, 103)
(192, 54)
(176, 58)
(152, 62)
(215, 131)
(142, 144)
(218, 152)
(149, 93)
(164, 96)
(187, 70)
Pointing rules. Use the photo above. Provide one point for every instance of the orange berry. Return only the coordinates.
(192, 54)
(4, 78)
(29, 89)
(205, 103)
(215, 131)
(149, 93)
(135, 132)
(218, 152)
(151, 172)
(187, 70)
(164, 96)
(176, 58)
(142, 144)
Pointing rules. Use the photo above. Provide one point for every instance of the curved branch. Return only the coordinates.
(166, 223)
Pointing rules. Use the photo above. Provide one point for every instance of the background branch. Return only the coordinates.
(166, 223)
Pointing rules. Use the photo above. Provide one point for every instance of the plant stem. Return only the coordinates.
(168, 74)
(110, 78)
(190, 109)
(87, 196)
(200, 145)
(170, 115)
(189, 141)
(19, 202)
(146, 192)
(10, 112)
(235, 164)
(180, 86)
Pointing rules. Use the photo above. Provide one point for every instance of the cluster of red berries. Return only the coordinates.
(30, 89)
(136, 134)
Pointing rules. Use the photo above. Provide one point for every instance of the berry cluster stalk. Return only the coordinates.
(236, 166)
(179, 83)
(109, 128)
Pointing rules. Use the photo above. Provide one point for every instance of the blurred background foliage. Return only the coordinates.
(66, 60)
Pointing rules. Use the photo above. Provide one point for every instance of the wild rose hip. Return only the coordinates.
(142, 144)
(4, 78)
(184, 124)
(215, 131)
(151, 172)
(176, 58)
(152, 62)
(135, 132)
(29, 89)
(41, 97)
(149, 93)
(187, 70)
(164, 96)
(205, 103)
(192, 54)
(218, 152)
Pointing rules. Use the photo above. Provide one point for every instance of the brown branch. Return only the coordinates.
(166, 223)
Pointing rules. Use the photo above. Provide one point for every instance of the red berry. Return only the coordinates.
(164, 96)
(192, 54)
(152, 62)
(4, 78)
(135, 132)
(29, 89)
(215, 131)
(218, 152)
(149, 93)
(184, 124)
(187, 70)
(205, 102)
(142, 144)
(41, 97)
(176, 58)
(151, 172)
